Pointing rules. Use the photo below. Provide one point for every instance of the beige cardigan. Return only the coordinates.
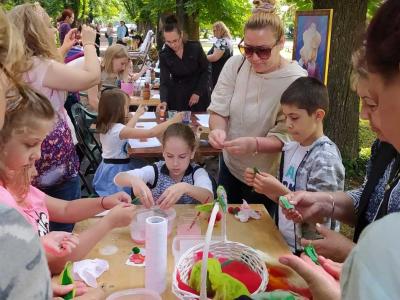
(252, 103)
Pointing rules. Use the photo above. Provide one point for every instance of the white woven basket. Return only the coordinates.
(225, 249)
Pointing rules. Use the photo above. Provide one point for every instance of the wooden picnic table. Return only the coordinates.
(260, 234)
(153, 101)
(204, 148)
(136, 101)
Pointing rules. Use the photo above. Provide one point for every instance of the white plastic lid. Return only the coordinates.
(134, 294)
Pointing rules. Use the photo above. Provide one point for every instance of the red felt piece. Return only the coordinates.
(183, 286)
(244, 274)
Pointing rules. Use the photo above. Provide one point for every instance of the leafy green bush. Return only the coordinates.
(355, 168)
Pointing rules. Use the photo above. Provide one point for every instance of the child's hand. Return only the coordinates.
(141, 110)
(268, 185)
(121, 215)
(249, 176)
(115, 199)
(172, 195)
(161, 106)
(178, 118)
(59, 243)
(142, 191)
(61, 290)
(133, 76)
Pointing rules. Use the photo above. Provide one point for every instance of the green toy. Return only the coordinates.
(221, 199)
(67, 278)
(136, 250)
(309, 250)
(221, 285)
(285, 202)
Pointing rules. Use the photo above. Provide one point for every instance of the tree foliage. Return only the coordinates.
(232, 12)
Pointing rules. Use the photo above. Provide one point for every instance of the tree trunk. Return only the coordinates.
(348, 23)
(190, 23)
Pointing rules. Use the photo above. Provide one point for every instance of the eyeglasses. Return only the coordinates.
(262, 52)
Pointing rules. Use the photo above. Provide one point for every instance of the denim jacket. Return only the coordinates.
(321, 168)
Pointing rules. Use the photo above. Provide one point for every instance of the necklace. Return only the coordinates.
(396, 177)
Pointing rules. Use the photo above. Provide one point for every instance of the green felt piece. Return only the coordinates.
(136, 201)
(309, 250)
(285, 202)
(67, 278)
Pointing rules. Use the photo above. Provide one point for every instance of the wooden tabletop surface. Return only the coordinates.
(138, 100)
(260, 234)
(204, 149)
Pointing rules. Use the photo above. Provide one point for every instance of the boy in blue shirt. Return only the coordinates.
(311, 162)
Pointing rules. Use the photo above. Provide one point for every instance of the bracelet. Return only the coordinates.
(333, 205)
(256, 152)
(101, 202)
(84, 45)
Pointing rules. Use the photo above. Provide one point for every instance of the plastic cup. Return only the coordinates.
(127, 87)
(186, 117)
(188, 224)
(134, 294)
(172, 113)
(136, 88)
(138, 232)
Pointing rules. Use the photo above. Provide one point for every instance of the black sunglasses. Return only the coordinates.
(262, 52)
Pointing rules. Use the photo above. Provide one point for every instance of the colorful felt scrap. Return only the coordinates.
(222, 285)
(67, 278)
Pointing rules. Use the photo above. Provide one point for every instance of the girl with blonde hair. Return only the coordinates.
(35, 281)
(59, 165)
(221, 50)
(28, 120)
(116, 66)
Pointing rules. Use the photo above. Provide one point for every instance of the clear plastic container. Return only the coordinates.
(182, 243)
(138, 225)
(188, 224)
(134, 294)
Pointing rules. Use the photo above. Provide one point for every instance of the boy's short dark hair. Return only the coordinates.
(307, 93)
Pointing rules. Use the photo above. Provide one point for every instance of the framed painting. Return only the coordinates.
(311, 42)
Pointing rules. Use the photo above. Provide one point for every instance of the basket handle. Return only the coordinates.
(207, 241)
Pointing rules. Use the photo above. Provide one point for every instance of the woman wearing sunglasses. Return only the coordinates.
(246, 119)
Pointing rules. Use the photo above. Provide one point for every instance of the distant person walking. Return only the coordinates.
(109, 34)
(122, 31)
(221, 50)
(66, 19)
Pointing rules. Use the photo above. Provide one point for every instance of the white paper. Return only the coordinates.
(103, 213)
(156, 254)
(145, 125)
(155, 96)
(150, 142)
(203, 119)
(148, 115)
(88, 270)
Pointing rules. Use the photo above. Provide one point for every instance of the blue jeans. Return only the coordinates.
(67, 190)
(110, 40)
(237, 190)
